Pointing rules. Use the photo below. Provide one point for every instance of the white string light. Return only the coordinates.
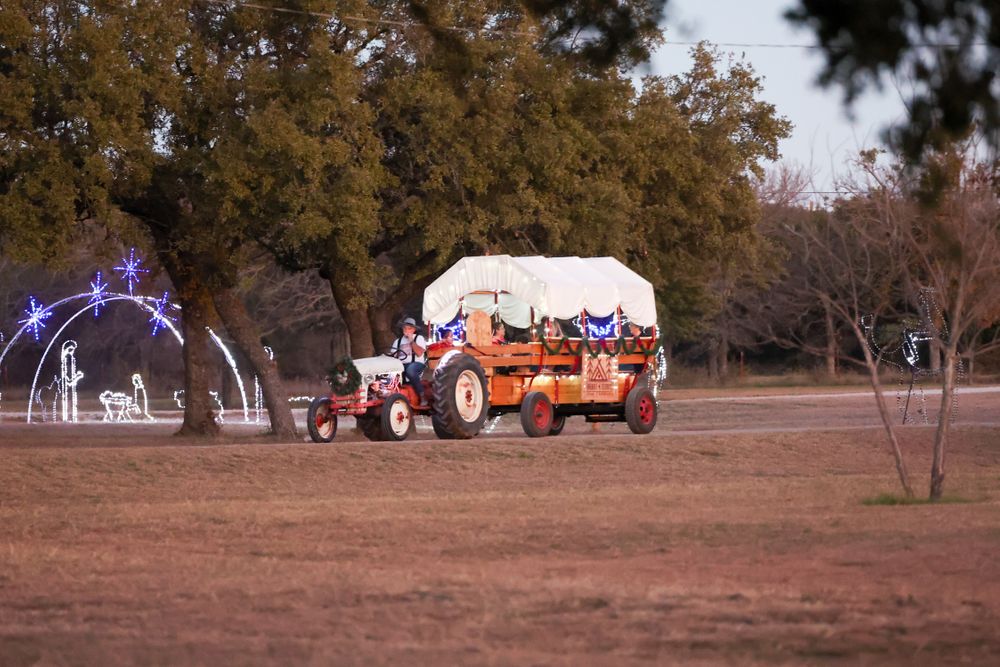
(97, 292)
(68, 381)
(258, 392)
(130, 270)
(159, 317)
(140, 301)
(138, 386)
(908, 350)
(36, 316)
(116, 406)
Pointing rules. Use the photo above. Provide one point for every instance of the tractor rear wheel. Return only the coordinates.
(439, 429)
(536, 414)
(371, 426)
(461, 398)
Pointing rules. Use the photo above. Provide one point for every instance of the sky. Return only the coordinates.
(824, 138)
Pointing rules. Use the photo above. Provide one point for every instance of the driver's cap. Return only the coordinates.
(409, 321)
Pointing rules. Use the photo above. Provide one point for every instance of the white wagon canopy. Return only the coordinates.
(522, 287)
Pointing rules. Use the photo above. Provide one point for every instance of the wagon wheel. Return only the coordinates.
(321, 421)
(461, 398)
(536, 414)
(640, 409)
(558, 422)
(396, 421)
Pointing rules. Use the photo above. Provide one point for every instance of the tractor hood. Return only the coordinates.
(369, 367)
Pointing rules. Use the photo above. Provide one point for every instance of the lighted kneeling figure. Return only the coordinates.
(119, 407)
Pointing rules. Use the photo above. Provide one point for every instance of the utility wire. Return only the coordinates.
(521, 33)
(364, 19)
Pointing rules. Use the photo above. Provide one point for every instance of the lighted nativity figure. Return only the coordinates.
(68, 381)
(137, 388)
(220, 416)
(117, 406)
(903, 352)
(120, 407)
(41, 396)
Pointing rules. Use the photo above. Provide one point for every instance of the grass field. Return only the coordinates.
(586, 548)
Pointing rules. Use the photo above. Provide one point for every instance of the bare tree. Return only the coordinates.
(947, 218)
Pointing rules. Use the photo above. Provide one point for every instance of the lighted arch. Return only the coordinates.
(140, 301)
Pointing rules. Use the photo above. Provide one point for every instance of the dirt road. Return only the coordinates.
(606, 548)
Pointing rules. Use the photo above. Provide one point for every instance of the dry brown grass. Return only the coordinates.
(605, 548)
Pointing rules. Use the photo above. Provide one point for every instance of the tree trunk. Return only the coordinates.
(934, 350)
(382, 323)
(226, 385)
(199, 416)
(713, 362)
(723, 352)
(897, 454)
(830, 353)
(356, 317)
(240, 326)
(944, 424)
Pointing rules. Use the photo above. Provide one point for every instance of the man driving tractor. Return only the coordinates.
(411, 349)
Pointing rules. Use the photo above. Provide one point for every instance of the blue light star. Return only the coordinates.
(160, 318)
(36, 316)
(97, 291)
(130, 270)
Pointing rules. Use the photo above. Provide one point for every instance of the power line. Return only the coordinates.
(521, 33)
(762, 45)
(364, 19)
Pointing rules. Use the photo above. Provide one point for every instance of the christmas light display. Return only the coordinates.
(904, 355)
(117, 406)
(493, 424)
(108, 298)
(68, 380)
(53, 388)
(159, 317)
(36, 316)
(236, 373)
(456, 327)
(258, 392)
(600, 327)
(137, 387)
(97, 293)
(220, 418)
(130, 270)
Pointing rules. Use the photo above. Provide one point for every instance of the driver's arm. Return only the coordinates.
(417, 349)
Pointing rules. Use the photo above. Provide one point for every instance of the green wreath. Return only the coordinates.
(559, 346)
(344, 377)
(619, 346)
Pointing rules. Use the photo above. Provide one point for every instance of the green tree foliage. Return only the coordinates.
(197, 126)
(364, 145)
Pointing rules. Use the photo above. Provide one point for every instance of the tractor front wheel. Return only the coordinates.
(321, 421)
(396, 420)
